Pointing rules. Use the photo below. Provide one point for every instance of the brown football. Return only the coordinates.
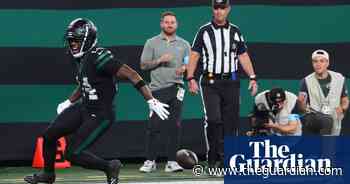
(186, 158)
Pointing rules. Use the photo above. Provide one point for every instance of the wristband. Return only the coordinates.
(253, 77)
(190, 78)
(139, 84)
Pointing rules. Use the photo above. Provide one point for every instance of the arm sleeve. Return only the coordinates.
(198, 42)
(241, 46)
(303, 90)
(345, 90)
(147, 52)
(293, 117)
(106, 63)
(187, 54)
(295, 109)
(302, 86)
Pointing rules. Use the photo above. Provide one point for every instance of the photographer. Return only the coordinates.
(323, 97)
(275, 113)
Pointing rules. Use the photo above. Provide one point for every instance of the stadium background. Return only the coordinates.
(35, 74)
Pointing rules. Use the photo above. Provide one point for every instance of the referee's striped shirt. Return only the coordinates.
(219, 47)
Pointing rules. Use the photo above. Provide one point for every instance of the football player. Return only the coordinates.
(88, 113)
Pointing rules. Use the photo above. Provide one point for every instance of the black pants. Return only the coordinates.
(221, 105)
(169, 129)
(316, 123)
(83, 127)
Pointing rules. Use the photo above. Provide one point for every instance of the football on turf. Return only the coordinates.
(186, 158)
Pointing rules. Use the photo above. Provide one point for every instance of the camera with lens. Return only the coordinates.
(259, 119)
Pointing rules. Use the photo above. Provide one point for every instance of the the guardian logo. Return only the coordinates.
(265, 155)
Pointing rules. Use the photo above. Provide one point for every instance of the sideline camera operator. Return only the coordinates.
(275, 113)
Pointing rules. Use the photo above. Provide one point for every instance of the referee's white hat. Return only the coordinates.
(320, 53)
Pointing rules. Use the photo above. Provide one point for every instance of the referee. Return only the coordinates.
(220, 44)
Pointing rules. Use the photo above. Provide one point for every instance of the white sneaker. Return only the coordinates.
(148, 166)
(173, 166)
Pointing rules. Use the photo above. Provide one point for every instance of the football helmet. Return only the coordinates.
(81, 36)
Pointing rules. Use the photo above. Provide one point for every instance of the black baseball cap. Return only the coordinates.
(220, 3)
(277, 95)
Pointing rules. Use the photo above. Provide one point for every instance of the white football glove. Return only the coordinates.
(159, 108)
(63, 105)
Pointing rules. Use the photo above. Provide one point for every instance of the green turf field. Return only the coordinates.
(129, 174)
